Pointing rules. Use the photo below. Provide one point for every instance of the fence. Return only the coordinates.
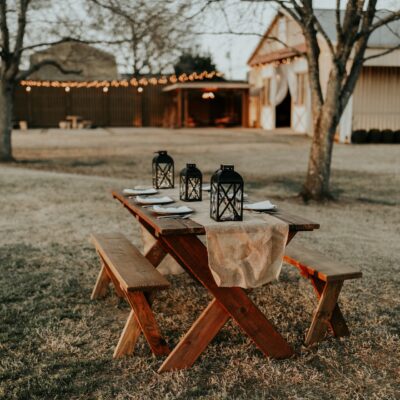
(119, 106)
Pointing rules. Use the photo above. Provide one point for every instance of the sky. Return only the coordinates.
(248, 19)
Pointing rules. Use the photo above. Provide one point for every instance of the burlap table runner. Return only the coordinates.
(243, 254)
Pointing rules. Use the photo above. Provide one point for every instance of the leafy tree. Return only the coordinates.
(189, 63)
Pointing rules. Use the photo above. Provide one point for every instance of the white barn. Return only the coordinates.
(279, 92)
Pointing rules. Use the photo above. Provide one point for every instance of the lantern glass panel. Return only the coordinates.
(226, 198)
(190, 183)
(163, 171)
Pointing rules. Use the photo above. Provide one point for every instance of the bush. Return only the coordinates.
(359, 136)
(388, 136)
(374, 136)
(397, 137)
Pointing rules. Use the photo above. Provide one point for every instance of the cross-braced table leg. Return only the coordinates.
(234, 301)
(327, 313)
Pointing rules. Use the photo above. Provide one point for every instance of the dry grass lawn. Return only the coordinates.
(57, 344)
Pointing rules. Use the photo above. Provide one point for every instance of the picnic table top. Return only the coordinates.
(171, 226)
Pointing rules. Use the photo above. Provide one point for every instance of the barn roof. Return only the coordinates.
(384, 37)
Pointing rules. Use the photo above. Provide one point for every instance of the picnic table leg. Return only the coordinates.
(156, 254)
(202, 332)
(337, 322)
(323, 313)
(193, 254)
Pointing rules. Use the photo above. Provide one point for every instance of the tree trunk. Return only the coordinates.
(316, 186)
(6, 113)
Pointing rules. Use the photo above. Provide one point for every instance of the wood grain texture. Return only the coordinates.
(128, 338)
(195, 341)
(323, 313)
(192, 252)
(116, 284)
(156, 254)
(189, 227)
(337, 322)
(130, 268)
(316, 264)
(147, 322)
(101, 286)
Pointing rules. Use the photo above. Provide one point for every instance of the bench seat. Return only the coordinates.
(317, 264)
(129, 266)
(133, 276)
(327, 277)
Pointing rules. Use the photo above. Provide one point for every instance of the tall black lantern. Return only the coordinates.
(190, 183)
(163, 170)
(226, 198)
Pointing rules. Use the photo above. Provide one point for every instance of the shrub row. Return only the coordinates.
(375, 136)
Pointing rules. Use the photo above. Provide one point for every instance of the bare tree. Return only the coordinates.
(354, 26)
(150, 33)
(15, 20)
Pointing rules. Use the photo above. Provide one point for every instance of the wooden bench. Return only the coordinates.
(327, 277)
(134, 277)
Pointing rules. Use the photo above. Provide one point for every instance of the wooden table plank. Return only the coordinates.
(170, 226)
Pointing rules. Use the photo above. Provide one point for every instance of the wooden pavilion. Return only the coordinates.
(212, 103)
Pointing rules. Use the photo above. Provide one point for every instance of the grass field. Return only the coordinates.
(57, 344)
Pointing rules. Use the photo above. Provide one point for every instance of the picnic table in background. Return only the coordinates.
(179, 238)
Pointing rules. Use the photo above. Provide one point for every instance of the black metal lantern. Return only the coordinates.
(163, 170)
(226, 197)
(190, 183)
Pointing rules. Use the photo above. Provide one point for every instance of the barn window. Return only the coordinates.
(265, 92)
(301, 89)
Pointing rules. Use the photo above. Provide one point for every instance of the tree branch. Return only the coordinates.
(5, 35)
(36, 67)
(383, 53)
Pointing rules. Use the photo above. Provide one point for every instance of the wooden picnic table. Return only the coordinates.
(179, 238)
(74, 120)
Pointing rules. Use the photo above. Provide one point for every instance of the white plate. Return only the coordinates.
(139, 191)
(154, 200)
(171, 210)
(206, 187)
(260, 206)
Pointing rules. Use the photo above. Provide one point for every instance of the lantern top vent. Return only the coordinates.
(162, 157)
(227, 173)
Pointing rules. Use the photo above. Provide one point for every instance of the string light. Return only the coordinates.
(140, 89)
(139, 83)
(28, 89)
(105, 89)
(283, 61)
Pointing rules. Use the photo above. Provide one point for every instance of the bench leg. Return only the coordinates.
(101, 286)
(323, 313)
(337, 323)
(117, 287)
(147, 323)
(129, 336)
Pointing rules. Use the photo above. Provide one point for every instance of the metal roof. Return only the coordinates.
(384, 37)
